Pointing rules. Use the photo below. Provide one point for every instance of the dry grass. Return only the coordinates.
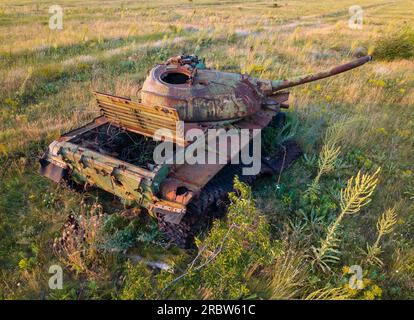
(288, 275)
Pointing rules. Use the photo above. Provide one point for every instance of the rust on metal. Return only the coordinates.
(97, 122)
(280, 85)
(145, 120)
(177, 191)
(205, 96)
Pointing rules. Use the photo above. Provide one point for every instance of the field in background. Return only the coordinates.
(46, 79)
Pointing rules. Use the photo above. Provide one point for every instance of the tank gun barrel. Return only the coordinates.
(283, 84)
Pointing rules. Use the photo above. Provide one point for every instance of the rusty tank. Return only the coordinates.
(115, 152)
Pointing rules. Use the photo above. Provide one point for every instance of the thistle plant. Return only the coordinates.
(385, 224)
(354, 196)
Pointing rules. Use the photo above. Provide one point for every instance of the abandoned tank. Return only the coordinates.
(115, 152)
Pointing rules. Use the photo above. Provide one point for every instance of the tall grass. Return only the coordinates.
(288, 275)
(395, 43)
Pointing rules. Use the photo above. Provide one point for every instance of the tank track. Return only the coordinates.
(208, 205)
(212, 200)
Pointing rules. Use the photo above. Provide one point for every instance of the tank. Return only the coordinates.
(115, 152)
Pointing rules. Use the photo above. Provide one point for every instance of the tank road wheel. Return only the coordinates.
(202, 210)
(73, 185)
(212, 201)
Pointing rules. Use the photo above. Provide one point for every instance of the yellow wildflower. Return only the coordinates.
(376, 290)
(382, 130)
(353, 292)
(23, 264)
(368, 295)
(256, 68)
(404, 133)
(380, 83)
(3, 149)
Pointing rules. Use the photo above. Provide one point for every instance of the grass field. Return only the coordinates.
(46, 79)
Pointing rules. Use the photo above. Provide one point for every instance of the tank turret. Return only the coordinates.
(206, 95)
